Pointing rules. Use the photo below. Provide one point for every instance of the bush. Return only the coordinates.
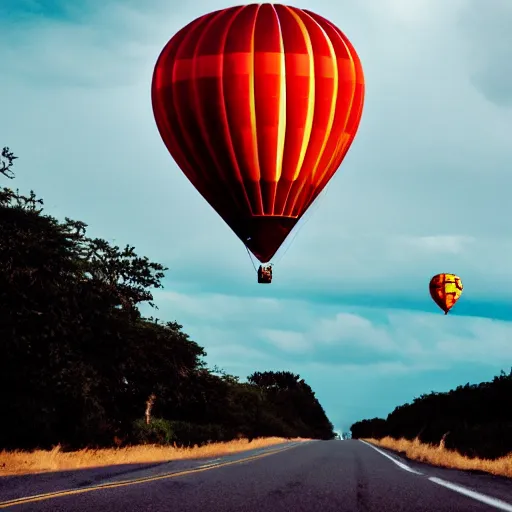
(272, 425)
(191, 434)
(159, 431)
(486, 441)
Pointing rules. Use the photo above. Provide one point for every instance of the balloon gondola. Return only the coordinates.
(265, 274)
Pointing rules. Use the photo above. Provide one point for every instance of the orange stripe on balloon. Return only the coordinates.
(207, 66)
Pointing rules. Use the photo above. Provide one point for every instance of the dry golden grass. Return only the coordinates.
(441, 456)
(41, 461)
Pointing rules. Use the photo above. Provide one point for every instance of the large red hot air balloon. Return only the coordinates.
(258, 105)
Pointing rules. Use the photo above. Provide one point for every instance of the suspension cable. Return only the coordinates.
(250, 257)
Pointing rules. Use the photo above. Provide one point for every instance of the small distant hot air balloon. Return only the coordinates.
(446, 290)
(258, 105)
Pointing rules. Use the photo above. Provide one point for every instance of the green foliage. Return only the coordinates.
(158, 431)
(191, 434)
(475, 420)
(78, 361)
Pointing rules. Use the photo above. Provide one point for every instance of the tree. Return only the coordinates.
(83, 367)
(472, 419)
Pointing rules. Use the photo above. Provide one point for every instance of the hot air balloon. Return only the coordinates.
(258, 105)
(446, 290)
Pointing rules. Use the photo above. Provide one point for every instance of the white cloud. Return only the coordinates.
(220, 307)
(443, 243)
(348, 329)
(413, 14)
(300, 327)
(486, 30)
(287, 341)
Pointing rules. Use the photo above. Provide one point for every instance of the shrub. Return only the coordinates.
(159, 431)
(191, 434)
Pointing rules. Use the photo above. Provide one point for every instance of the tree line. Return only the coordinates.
(475, 420)
(80, 366)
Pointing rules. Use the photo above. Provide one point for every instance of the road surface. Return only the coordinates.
(324, 476)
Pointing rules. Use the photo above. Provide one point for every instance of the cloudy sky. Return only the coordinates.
(425, 188)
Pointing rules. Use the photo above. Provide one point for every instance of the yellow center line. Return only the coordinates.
(123, 483)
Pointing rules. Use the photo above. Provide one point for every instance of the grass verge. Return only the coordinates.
(41, 461)
(441, 456)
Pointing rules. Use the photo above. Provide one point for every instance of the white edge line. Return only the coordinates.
(392, 459)
(488, 500)
(493, 502)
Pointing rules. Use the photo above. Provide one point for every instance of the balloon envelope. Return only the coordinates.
(446, 290)
(258, 105)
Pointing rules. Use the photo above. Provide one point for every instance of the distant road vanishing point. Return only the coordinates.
(323, 476)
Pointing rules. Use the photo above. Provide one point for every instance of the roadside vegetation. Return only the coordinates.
(80, 367)
(441, 456)
(19, 462)
(469, 427)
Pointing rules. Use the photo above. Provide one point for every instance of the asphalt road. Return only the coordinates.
(319, 476)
